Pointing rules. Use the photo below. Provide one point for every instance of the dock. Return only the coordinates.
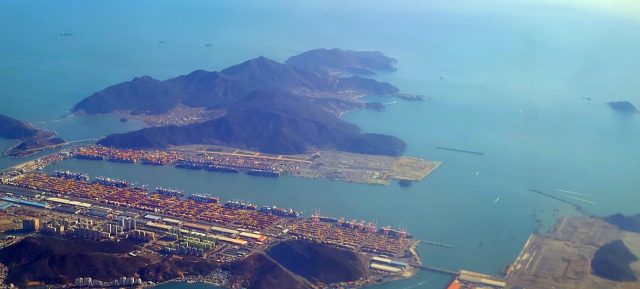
(436, 244)
(461, 151)
(578, 207)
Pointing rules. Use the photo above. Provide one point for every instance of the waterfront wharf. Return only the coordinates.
(578, 207)
(460, 151)
(435, 244)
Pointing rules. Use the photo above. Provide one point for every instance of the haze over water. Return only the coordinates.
(513, 77)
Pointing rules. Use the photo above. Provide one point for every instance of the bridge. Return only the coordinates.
(434, 269)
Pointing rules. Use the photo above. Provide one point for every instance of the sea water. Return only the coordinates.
(506, 78)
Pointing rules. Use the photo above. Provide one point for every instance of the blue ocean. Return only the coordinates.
(525, 82)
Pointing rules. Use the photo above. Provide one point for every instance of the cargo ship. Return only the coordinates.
(153, 163)
(222, 169)
(204, 198)
(190, 165)
(266, 209)
(328, 219)
(70, 175)
(240, 204)
(261, 173)
(140, 188)
(119, 160)
(168, 192)
(90, 157)
(111, 182)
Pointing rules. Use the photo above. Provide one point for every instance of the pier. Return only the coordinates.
(436, 244)
(461, 151)
(578, 207)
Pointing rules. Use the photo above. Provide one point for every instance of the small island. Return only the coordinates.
(31, 140)
(623, 106)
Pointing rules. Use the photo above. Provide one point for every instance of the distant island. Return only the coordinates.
(341, 61)
(261, 105)
(30, 139)
(623, 106)
(629, 224)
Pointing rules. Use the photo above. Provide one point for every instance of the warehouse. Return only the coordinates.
(385, 268)
(26, 203)
(259, 238)
(232, 241)
(68, 202)
(224, 231)
(196, 226)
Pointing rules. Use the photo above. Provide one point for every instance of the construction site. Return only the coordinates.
(562, 257)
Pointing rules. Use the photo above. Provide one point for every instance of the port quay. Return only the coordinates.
(221, 231)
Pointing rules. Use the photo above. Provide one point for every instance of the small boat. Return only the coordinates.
(66, 34)
(208, 44)
(162, 41)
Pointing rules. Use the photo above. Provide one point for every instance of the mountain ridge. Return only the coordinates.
(270, 107)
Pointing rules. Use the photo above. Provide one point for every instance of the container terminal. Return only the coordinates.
(234, 223)
(203, 211)
(325, 165)
(199, 224)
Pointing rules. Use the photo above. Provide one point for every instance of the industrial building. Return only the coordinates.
(66, 209)
(389, 262)
(68, 202)
(385, 268)
(158, 226)
(255, 237)
(224, 231)
(100, 212)
(26, 203)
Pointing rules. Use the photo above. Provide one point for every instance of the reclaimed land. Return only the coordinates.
(319, 263)
(268, 106)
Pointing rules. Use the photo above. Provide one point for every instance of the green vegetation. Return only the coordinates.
(258, 272)
(59, 261)
(171, 268)
(30, 137)
(270, 107)
(318, 262)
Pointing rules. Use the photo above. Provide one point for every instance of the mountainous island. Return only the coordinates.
(30, 138)
(625, 223)
(340, 61)
(267, 106)
(623, 106)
